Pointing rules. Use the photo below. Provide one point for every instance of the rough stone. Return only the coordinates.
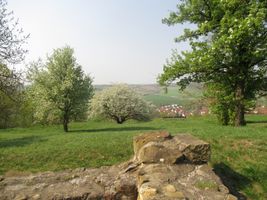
(195, 150)
(21, 197)
(169, 188)
(154, 152)
(161, 147)
(141, 140)
(231, 197)
(163, 168)
(179, 181)
(36, 197)
(146, 192)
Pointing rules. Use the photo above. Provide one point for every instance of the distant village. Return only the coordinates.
(178, 111)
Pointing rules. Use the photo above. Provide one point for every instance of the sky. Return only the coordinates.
(115, 41)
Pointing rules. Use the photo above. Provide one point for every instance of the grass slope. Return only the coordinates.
(238, 154)
(189, 96)
(155, 94)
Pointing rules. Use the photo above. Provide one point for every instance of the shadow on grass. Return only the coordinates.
(20, 142)
(257, 122)
(117, 129)
(232, 180)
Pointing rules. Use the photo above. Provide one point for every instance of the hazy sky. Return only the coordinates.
(114, 40)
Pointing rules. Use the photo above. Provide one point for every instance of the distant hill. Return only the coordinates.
(155, 94)
(191, 98)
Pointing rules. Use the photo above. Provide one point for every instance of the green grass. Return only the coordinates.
(175, 96)
(155, 94)
(239, 155)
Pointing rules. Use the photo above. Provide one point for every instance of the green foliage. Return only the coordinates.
(8, 109)
(12, 38)
(220, 101)
(12, 105)
(10, 81)
(120, 103)
(239, 154)
(11, 50)
(229, 44)
(60, 90)
(15, 110)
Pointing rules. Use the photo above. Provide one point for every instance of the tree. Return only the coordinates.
(10, 82)
(221, 102)
(15, 112)
(11, 52)
(13, 106)
(60, 87)
(11, 37)
(228, 51)
(120, 103)
(8, 110)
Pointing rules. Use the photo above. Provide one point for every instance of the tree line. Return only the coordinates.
(60, 92)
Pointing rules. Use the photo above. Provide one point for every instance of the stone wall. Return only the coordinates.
(163, 168)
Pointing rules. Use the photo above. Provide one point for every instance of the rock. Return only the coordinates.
(146, 193)
(143, 139)
(175, 195)
(169, 188)
(231, 197)
(128, 197)
(126, 186)
(21, 197)
(195, 150)
(154, 152)
(179, 182)
(170, 191)
(160, 148)
(36, 197)
(163, 168)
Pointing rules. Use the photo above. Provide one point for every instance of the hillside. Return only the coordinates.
(191, 98)
(155, 94)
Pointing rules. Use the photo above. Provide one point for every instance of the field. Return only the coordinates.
(239, 155)
(174, 96)
(155, 94)
(191, 98)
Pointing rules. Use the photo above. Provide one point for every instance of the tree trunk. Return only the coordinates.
(65, 126)
(120, 120)
(65, 122)
(239, 107)
(240, 115)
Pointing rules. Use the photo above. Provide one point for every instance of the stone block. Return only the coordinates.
(194, 149)
(154, 152)
(141, 140)
(162, 148)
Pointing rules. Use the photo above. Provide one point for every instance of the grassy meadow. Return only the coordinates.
(239, 155)
(155, 94)
(186, 98)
